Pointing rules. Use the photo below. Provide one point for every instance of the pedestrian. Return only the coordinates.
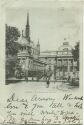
(48, 82)
(48, 76)
(69, 78)
(26, 75)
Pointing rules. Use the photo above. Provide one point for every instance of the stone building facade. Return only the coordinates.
(29, 53)
(61, 61)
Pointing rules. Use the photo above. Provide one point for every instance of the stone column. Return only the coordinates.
(55, 68)
(72, 65)
(63, 67)
(57, 73)
(26, 68)
(58, 68)
(68, 67)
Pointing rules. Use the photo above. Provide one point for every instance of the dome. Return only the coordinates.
(65, 47)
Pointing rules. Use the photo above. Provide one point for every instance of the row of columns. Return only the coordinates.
(63, 63)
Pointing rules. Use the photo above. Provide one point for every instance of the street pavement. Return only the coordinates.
(35, 86)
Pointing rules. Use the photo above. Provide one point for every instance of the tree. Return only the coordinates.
(75, 53)
(12, 35)
(12, 47)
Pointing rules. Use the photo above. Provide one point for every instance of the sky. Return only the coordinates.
(51, 24)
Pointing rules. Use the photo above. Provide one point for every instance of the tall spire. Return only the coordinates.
(27, 19)
(38, 41)
(38, 47)
(27, 30)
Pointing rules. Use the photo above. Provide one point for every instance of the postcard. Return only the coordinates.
(41, 62)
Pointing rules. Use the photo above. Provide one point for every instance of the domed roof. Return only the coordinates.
(65, 47)
(23, 41)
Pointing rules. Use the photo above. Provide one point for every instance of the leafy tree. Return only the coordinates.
(12, 48)
(75, 53)
(12, 35)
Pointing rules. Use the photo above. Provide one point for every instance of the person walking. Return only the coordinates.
(48, 82)
(48, 76)
(26, 75)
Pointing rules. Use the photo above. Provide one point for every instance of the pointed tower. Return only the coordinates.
(27, 30)
(38, 47)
